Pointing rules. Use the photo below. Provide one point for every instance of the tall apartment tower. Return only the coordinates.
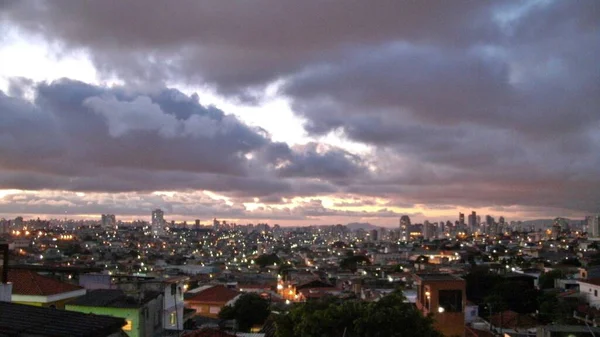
(593, 224)
(109, 221)
(473, 222)
(404, 227)
(158, 222)
(461, 220)
(428, 230)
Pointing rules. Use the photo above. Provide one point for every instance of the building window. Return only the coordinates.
(450, 300)
(214, 310)
(173, 318)
(596, 293)
(128, 326)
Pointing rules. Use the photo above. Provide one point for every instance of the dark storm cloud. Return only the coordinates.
(472, 103)
(236, 46)
(80, 137)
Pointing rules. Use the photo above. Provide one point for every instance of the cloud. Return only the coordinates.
(80, 137)
(235, 46)
(462, 103)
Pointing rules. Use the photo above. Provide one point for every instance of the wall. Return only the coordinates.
(449, 323)
(205, 309)
(591, 293)
(130, 314)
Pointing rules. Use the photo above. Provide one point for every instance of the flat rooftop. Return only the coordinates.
(437, 277)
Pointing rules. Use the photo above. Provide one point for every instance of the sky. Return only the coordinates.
(299, 112)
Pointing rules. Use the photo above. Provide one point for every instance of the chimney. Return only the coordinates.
(5, 286)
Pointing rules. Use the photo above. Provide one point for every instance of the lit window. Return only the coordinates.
(173, 318)
(127, 326)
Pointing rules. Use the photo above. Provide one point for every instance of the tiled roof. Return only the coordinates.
(27, 282)
(27, 320)
(218, 293)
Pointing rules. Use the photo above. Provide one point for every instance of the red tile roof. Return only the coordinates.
(27, 282)
(216, 294)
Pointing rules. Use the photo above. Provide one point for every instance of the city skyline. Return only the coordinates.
(361, 114)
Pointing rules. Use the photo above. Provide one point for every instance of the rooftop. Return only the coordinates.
(437, 277)
(593, 281)
(27, 320)
(26, 282)
(113, 298)
(218, 293)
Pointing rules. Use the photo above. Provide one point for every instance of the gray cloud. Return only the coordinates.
(79, 137)
(464, 103)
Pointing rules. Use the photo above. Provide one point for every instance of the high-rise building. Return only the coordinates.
(4, 226)
(109, 221)
(404, 227)
(593, 224)
(428, 230)
(472, 222)
(461, 220)
(374, 235)
(158, 222)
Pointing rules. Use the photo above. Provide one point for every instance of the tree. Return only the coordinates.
(267, 260)
(352, 262)
(390, 316)
(546, 280)
(248, 310)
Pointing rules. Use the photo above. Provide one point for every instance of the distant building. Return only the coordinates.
(158, 222)
(593, 225)
(404, 227)
(473, 222)
(428, 230)
(374, 235)
(109, 221)
(4, 226)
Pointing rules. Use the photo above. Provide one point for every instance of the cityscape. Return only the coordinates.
(275, 168)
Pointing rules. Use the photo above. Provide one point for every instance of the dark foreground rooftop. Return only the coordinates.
(437, 277)
(26, 320)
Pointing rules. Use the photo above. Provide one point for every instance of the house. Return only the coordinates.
(172, 288)
(34, 289)
(590, 291)
(209, 301)
(142, 311)
(442, 296)
(16, 320)
(511, 323)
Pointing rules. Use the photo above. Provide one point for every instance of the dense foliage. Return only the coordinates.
(389, 317)
(353, 261)
(267, 260)
(248, 310)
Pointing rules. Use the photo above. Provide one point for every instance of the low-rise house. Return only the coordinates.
(142, 312)
(209, 301)
(34, 289)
